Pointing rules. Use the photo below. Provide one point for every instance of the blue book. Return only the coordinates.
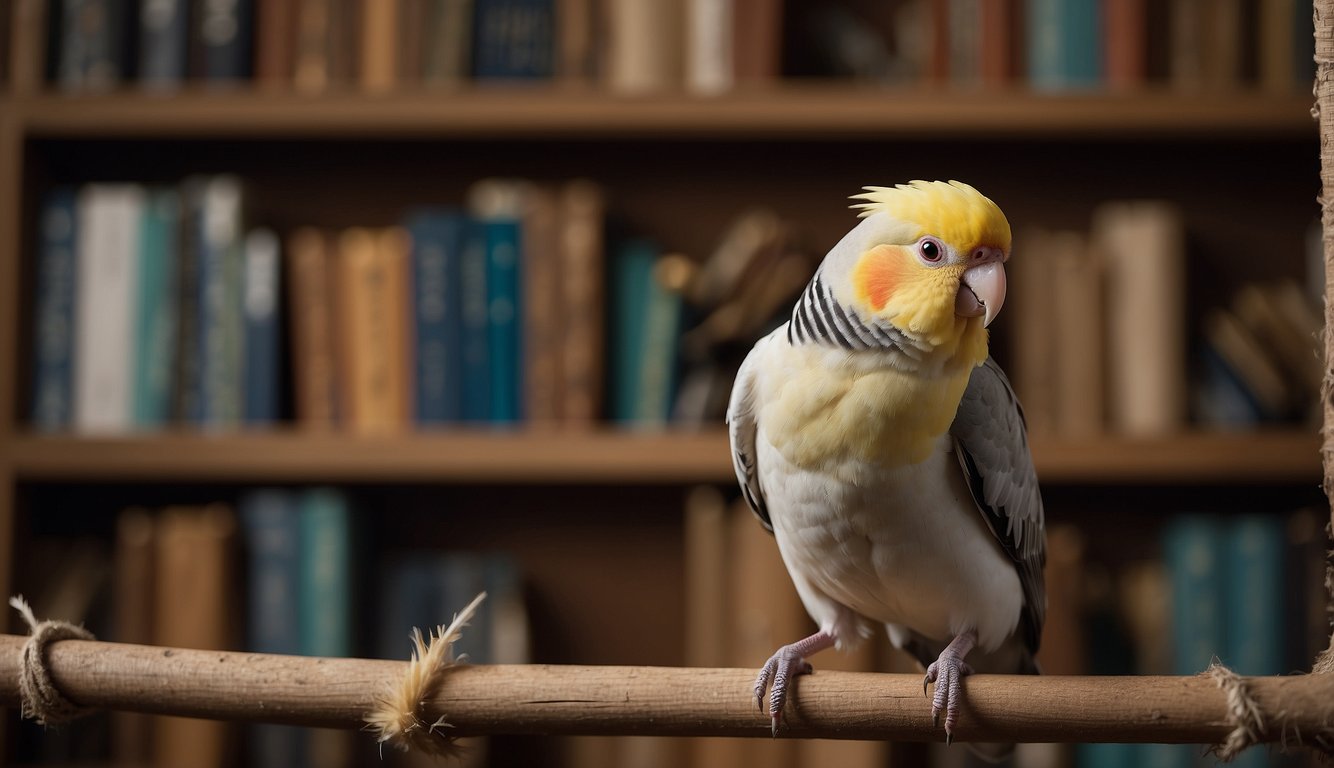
(220, 325)
(476, 368)
(514, 39)
(325, 607)
(411, 596)
(53, 326)
(504, 321)
(1064, 43)
(164, 36)
(1253, 566)
(92, 43)
(260, 347)
(224, 37)
(156, 316)
(437, 237)
(270, 525)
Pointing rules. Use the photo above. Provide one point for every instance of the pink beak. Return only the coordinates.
(981, 292)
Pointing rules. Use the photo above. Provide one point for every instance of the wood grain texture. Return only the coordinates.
(662, 701)
(809, 112)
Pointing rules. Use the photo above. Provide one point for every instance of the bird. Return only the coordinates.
(877, 440)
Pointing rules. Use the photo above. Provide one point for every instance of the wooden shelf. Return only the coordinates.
(790, 111)
(603, 457)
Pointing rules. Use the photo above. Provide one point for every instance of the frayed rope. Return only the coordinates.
(41, 699)
(397, 718)
(1243, 714)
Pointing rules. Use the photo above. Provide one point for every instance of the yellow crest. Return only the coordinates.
(952, 210)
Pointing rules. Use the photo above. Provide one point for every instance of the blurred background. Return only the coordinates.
(320, 316)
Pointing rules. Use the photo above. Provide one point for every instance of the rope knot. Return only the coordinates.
(41, 699)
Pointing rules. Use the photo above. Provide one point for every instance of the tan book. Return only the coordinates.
(410, 59)
(448, 47)
(276, 42)
(543, 313)
(644, 46)
(134, 584)
(1033, 341)
(576, 41)
(1144, 251)
(194, 609)
(582, 280)
(379, 44)
(27, 52)
(311, 70)
(311, 287)
(372, 328)
(1078, 335)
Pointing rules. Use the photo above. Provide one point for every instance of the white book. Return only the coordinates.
(709, 46)
(106, 285)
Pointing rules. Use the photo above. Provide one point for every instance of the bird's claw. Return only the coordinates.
(779, 670)
(947, 672)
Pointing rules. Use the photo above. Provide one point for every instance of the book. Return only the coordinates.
(1033, 344)
(28, 44)
(194, 609)
(223, 40)
(1143, 245)
(999, 44)
(643, 46)
(964, 42)
(133, 585)
(1078, 334)
(577, 41)
(108, 253)
(164, 37)
(156, 317)
(186, 386)
(514, 39)
(448, 45)
(1286, 46)
(498, 207)
(542, 316)
(581, 276)
(379, 38)
(1064, 43)
(436, 240)
(310, 281)
(757, 35)
(1255, 546)
(312, 71)
(275, 42)
(93, 43)
(1126, 58)
(474, 336)
(709, 41)
(372, 330)
(260, 292)
(54, 318)
(221, 326)
(271, 532)
(1235, 358)
(325, 600)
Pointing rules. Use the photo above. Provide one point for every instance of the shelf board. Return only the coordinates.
(603, 456)
(788, 111)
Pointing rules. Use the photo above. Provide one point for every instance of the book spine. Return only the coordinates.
(1064, 44)
(514, 39)
(92, 44)
(185, 407)
(325, 586)
(275, 42)
(709, 46)
(156, 318)
(54, 337)
(658, 353)
(379, 42)
(311, 296)
(448, 53)
(542, 319)
(581, 275)
(632, 276)
(476, 367)
(372, 292)
(260, 347)
(1256, 546)
(164, 36)
(28, 43)
(435, 239)
(271, 530)
(311, 70)
(225, 33)
(1126, 43)
(108, 253)
(504, 318)
(643, 46)
(220, 321)
(1193, 548)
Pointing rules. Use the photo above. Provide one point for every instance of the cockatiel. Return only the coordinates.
(886, 452)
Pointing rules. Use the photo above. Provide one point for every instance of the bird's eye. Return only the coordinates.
(930, 250)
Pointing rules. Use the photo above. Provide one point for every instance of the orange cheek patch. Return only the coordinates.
(878, 274)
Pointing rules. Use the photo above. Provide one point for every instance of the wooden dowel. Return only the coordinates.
(536, 699)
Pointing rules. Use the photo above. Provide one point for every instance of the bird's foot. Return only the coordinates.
(782, 668)
(947, 672)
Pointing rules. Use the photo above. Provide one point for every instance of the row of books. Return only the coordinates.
(1100, 338)
(702, 46)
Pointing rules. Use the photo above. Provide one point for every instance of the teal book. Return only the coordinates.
(156, 318)
(436, 315)
(1065, 39)
(325, 610)
(1254, 580)
(632, 274)
(658, 353)
(53, 325)
(504, 306)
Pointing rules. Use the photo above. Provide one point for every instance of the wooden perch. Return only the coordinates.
(537, 699)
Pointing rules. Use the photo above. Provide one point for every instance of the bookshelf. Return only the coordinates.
(679, 167)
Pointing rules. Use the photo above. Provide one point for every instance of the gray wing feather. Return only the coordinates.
(992, 444)
(741, 429)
